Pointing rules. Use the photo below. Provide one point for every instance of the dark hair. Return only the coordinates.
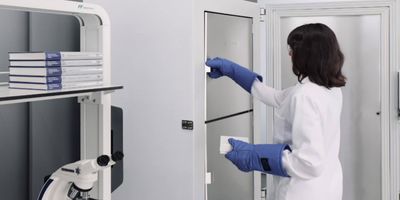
(316, 54)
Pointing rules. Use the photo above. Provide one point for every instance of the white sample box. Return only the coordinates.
(225, 147)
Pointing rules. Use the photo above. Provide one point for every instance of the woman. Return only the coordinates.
(305, 155)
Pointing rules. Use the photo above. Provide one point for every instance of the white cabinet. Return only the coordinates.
(370, 136)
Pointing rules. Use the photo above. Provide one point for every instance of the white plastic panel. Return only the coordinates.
(228, 37)
(359, 37)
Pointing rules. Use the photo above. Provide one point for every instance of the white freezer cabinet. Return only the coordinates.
(238, 31)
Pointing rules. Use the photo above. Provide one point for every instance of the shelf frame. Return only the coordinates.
(26, 96)
(95, 105)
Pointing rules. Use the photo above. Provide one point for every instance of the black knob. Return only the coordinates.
(103, 160)
(117, 156)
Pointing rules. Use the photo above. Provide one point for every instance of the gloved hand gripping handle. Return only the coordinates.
(223, 67)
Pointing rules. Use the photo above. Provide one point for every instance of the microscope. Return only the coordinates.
(74, 181)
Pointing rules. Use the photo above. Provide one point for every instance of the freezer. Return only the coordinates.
(369, 134)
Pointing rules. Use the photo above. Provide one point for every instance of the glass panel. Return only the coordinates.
(359, 37)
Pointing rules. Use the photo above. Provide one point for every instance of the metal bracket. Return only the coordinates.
(90, 99)
(84, 99)
(95, 98)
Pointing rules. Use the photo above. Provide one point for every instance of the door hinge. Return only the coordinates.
(264, 193)
(263, 13)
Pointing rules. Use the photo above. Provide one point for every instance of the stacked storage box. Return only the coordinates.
(55, 70)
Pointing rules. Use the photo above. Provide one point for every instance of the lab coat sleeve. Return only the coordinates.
(307, 158)
(266, 94)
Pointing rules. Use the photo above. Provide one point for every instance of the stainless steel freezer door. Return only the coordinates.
(228, 37)
(228, 183)
(360, 154)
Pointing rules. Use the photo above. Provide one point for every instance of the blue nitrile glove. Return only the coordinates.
(223, 67)
(265, 158)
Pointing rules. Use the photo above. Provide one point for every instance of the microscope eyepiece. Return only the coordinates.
(103, 160)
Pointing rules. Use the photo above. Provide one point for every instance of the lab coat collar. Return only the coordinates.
(305, 80)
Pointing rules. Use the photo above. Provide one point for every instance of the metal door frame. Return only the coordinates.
(389, 46)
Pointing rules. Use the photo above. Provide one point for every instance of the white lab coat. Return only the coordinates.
(307, 117)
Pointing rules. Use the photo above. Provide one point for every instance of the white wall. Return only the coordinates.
(151, 49)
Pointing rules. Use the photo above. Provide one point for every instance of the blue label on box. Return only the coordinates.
(53, 56)
(54, 71)
(53, 63)
(54, 86)
(54, 79)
